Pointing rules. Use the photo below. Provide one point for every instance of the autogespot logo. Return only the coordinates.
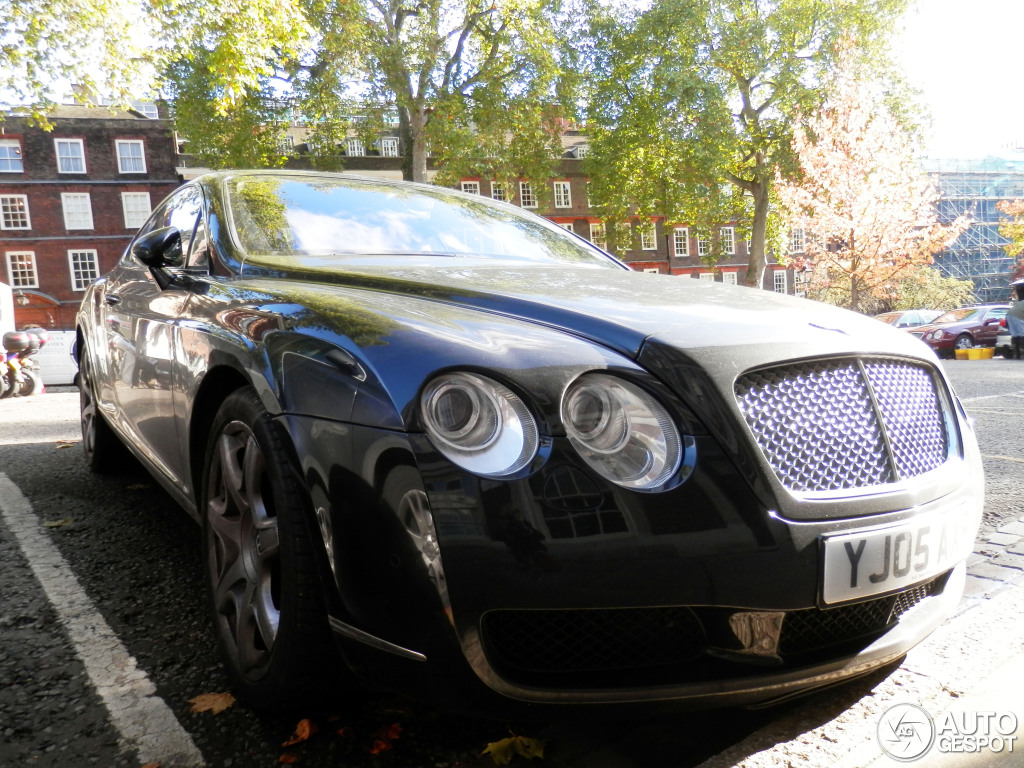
(906, 732)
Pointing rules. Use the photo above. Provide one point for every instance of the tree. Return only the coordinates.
(46, 45)
(1013, 230)
(466, 78)
(862, 195)
(693, 103)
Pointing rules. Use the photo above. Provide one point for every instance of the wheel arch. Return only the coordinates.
(215, 388)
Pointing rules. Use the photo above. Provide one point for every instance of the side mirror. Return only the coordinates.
(160, 248)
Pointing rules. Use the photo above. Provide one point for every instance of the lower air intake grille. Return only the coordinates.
(837, 424)
(555, 641)
(815, 629)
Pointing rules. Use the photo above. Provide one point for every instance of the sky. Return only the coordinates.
(965, 56)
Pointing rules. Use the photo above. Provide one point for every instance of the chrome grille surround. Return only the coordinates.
(837, 424)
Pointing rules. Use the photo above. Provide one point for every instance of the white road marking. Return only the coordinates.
(145, 722)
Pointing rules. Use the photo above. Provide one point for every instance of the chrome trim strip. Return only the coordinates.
(366, 638)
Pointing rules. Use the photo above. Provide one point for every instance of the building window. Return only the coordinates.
(70, 155)
(652, 270)
(14, 212)
(84, 268)
(21, 269)
(389, 147)
(568, 227)
(472, 187)
(708, 276)
(780, 280)
(286, 144)
(77, 210)
(526, 196)
(728, 238)
(582, 150)
(10, 156)
(136, 208)
(499, 191)
(354, 147)
(681, 241)
(703, 245)
(131, 157)
(648, 237)
(597, 236)
(149, 110)
(729, 278)
(796, 241)
(563, 195)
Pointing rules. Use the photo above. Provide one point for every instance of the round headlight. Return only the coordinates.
(479, 424)
(621, 431)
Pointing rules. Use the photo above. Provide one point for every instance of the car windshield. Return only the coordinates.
(346, 218)
(956, 315)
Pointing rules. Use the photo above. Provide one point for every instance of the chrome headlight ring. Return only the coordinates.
(479, 424)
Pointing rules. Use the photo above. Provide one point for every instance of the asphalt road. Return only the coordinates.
(104, 638)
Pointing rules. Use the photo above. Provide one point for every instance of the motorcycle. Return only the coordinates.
(20, 378)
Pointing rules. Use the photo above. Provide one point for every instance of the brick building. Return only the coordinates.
(71, 198)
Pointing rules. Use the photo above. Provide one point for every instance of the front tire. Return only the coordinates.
(104, 452)
(265, 594)
(963, 341)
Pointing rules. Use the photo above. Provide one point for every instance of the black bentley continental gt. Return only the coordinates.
(474, 458)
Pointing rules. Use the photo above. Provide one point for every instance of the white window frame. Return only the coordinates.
(779, 281)
(9, 210)
(797, 240)
(470, 187)
(681, 242)
(727, 235)
(581, 151)
(707, 276)
(729, 278)
(568, 227)
(77, 208)
(354, 147)
(703, 245)
(26, 277)
(80, 143)
(527, 199)
(389, 147)
(499, 191)
(652, 270)
(132, 211)
(286, 144)
(129, 144)
(10, 158)
(598, 236)
(83, 271)
(648, 236)
(563, 194)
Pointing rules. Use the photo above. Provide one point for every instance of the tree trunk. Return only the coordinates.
(756, 259)
(418, 140)
(405, 137)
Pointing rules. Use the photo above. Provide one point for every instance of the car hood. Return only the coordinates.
(620, 309)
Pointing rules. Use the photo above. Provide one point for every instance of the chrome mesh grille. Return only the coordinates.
(824, 425)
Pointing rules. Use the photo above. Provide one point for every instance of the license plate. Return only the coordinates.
(872, 562)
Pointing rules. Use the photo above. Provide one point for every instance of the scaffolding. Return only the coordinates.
(973, 187)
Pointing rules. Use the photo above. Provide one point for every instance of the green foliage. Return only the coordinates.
(692, 95)
(100, 45)
(923, 287)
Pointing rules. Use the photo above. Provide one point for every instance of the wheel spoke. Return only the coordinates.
(228, 447)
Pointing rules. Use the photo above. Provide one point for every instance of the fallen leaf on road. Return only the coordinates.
(303, 731)
(151, 765)
(58, 523)
(288, 758)
(68, 444)
(503, 751)
(211, 702)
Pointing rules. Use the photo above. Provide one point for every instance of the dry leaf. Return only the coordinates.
(211, 702)
(303, 731)
(67, 444)
(288, 758)
(137, 487)
(503, 751)
(151, 765)
(58, 523)
(378, 746)
(345, 731)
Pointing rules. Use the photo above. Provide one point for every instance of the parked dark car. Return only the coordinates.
(963, 328)
(493, 466)
(909, 318)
